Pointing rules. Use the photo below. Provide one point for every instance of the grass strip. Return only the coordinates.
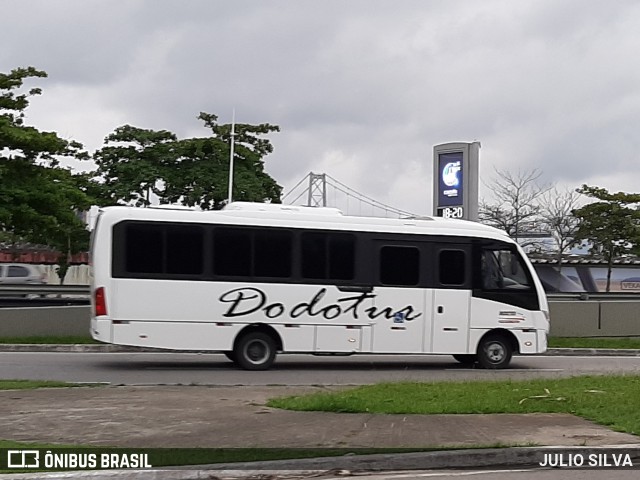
(576, 342)
(608, 400)
(31, 384)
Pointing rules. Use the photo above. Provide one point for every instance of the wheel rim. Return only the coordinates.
(257, 352)
(495, 352)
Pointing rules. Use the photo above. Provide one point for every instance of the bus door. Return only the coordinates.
(399, 314)
(451, 298)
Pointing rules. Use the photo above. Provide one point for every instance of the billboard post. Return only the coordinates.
(455, 180)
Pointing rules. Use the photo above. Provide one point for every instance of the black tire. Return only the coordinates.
(466, 358)
(231, 356)
(255, 351)
(494, 352)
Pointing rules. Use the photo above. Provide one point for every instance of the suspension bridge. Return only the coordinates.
(322, 190)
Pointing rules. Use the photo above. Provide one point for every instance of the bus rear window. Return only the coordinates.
(144, 246)
(161, 249)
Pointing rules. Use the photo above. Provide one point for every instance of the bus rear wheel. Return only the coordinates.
(494, 352)
(255, 351)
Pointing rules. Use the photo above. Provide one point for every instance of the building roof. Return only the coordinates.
(583, 260)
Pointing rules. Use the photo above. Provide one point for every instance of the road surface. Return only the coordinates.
(215, 369)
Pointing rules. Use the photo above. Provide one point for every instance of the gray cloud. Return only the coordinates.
(361, 89)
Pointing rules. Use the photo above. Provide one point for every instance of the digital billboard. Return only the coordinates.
(455, 180)
(450, 179)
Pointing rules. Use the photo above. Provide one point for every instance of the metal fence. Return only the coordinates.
(34, 296)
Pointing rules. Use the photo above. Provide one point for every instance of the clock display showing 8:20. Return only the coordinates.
(451, 212)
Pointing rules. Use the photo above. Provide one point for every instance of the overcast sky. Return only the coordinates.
(362, 90)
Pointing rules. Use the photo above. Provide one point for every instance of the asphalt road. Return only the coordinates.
(214, 369)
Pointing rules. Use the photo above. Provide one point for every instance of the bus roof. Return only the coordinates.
(277, 215)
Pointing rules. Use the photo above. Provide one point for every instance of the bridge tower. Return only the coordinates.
(317, 190)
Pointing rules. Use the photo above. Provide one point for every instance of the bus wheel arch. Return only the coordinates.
(496, 348)
(466, 358)
(256, 346)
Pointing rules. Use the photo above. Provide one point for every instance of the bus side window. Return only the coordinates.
(399, 266)
(232, 252)
(328, 256)
(342, 257)
(184, 253)
(451, 267)
(272, 253)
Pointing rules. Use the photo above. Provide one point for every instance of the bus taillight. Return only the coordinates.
(100, 302)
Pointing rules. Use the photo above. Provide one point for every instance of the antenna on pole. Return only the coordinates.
(233, 134)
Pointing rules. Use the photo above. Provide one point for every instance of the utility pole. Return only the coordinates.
(233, 134)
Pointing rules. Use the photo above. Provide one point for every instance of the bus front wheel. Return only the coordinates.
(494, 352)
(255, 351)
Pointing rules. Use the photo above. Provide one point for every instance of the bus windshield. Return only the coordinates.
(504, 270)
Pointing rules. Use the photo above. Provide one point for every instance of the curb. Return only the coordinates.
(521, 457)
(109, 348)
(619, 352)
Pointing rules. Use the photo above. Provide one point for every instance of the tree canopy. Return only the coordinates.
(132, 163)
(39, 200)
(610, 225)
(135, 164)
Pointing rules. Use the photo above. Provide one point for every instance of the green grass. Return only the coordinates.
(608, 400)
(576, 342)
(31, 384)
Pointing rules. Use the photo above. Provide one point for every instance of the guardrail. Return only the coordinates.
(599, 297)
(40, 290)
(37, 296)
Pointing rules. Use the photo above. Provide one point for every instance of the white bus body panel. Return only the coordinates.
(450, 327)
(311, 318)
(207, 315)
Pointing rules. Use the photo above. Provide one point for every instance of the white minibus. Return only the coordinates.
(254, 280)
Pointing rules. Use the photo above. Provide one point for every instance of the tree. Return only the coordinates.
(557, 217)
(133, 164)
(610, 225)
(517, 210)
(136, 163)
(39, 200)
(202, 179)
